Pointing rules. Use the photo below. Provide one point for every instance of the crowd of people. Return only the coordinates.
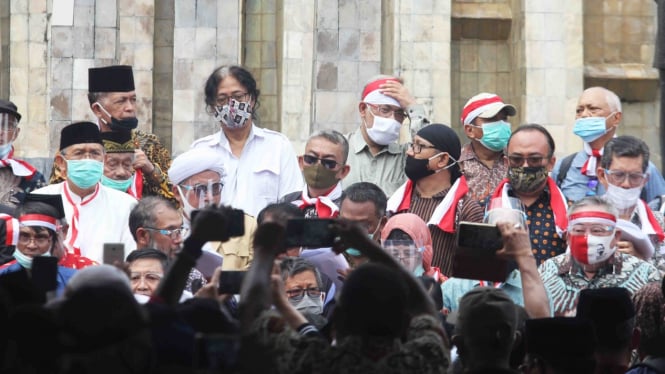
(239, 255)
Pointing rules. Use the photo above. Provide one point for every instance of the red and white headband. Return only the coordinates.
(373, 95)
(38, 220)
(598, 217)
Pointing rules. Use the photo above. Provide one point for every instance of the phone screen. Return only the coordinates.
(480, 239)
(114, 252)
(230, 281)
(309, 232)
(45, 273)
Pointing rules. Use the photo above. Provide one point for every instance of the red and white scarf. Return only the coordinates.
(11, 229)
(72, 240)
(557, 202)
(589, 167)
(650, 225)
(136, 189)
(443, 215)
(325, 207)
(20, 168)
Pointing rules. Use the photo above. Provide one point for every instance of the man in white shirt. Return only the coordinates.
(261, 165)
(96, 214)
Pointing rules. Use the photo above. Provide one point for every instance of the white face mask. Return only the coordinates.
(384, 131)
(622, 198)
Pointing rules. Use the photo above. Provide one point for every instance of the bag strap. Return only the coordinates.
(563, 170)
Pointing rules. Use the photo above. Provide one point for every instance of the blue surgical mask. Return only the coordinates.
(495, 135)
(5, 149)
(23, 260)
(84, 173)
(591, 128)
(120, 185)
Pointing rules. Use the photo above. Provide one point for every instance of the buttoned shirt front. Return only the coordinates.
(266, 170)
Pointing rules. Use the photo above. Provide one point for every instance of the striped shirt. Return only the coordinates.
(444, 243)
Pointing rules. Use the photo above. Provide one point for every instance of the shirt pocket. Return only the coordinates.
(265, 178)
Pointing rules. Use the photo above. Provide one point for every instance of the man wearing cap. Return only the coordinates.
(260, 163)
(17, 177)
(591, 260)
(97, 214)
(112, 98)
(485, 331)
(375, 156)
(119, 173)
(436, 191)
(197, 182)
(597, 117)
(482, 160)
(530, 155)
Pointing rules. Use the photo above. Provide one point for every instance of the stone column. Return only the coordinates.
(416, 46)
(28, 69)
(551, 64)
(206, 35)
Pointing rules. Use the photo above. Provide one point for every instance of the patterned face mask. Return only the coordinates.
(527, 179)
(234, 114)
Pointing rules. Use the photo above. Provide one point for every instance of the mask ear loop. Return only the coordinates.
(105, 112)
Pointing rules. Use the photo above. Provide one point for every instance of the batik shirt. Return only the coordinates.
(564, 279)
(482, 181)
(156, 154)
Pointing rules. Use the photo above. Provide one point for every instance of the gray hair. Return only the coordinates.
(143, 214)
(291, 266)
(625, 146)
(334, 137)
(595, 201)
(611, 98)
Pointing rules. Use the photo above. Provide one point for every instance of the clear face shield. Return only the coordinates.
(200, 195)
(407, 252)
(8, 129)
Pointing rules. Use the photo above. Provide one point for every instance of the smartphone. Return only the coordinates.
(479, 239)
(45, 273)
(235, 226)
(230, 281)
(216, 351)
(114, 252)
(309, 232)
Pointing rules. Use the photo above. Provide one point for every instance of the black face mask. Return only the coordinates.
(126, 124)
(416, 169)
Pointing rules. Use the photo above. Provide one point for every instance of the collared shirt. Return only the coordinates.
(306, 351)
(444, 243)
(266, 170)
(386, 168)
(545, 241)
(238, 252)
(564, 279)
(104, 219)
(454, 288)
(482, 181)
(576, 184)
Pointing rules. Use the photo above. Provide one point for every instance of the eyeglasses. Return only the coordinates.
(533, 161)
(202, 188)
(417, 147)
(387, 112)
(40, 240)
(148, 277)
(297, 294)
(80, 154)
(617, 177)
(405, 253)
(326, 162)
(172, 233)
(596, 230)
(239, 97)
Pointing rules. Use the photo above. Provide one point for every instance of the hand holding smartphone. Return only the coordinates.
(309, 232)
